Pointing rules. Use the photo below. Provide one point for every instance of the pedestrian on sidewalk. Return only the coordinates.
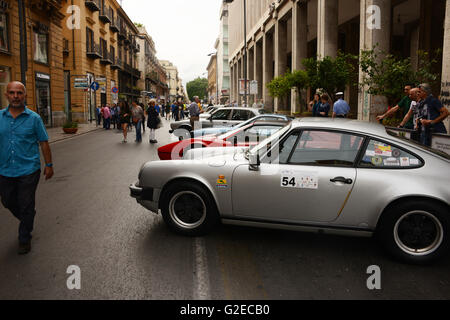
(194, 112)
(137, 115)
(98, 113)
(167, 110)
(431, 115)
(106, 117)
(125, 116)
(143, 117)
(20, 164)
(341, 108)
(324, 108)
(153, 120)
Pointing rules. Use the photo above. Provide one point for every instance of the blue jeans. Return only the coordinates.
(18, 196)
(138, 126)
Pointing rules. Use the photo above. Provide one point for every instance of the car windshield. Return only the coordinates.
(434, 151)
(275, 137)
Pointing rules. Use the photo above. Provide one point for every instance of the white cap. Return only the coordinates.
(340, 94)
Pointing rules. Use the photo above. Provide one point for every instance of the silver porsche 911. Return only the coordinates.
(331, 176)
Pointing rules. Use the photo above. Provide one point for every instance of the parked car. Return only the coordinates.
(222, 130)
(209, 111)
(330, 176)
(223, 117)
(244, 136)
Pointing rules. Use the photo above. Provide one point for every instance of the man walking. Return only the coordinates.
(194, 112)
(21, 133)
(341, 107)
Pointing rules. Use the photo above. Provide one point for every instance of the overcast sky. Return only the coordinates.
(184, 31)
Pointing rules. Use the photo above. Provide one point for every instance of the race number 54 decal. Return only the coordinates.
(299, 180)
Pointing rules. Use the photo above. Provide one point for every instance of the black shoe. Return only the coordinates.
(24, 248)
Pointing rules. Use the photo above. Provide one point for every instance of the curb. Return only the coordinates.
(73, 136)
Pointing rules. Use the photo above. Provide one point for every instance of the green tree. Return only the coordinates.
(281, 86)
(331, 74)
(197, 87)
(386, 75)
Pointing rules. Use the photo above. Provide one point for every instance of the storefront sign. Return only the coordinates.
(254, 87)
(42, 76)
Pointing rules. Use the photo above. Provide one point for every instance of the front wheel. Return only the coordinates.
(416, 232)
(188, 209)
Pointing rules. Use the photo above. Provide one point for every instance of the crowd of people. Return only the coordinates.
(320, 106)
(137, 116)
(421, 112)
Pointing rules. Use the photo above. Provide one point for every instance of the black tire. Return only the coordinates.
(189, 209)
(416, 231)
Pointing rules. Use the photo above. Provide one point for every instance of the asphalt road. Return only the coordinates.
(87, 219)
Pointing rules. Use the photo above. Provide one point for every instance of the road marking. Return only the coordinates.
(201, 275)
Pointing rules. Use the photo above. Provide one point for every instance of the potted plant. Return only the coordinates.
(70, 127)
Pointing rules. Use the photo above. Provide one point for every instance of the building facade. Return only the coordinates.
(222, 48)
(213, 90)
(41, 61)
(173, 80)
(100, 47)
(153, 75)
(280, 34)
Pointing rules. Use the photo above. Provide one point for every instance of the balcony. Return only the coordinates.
(93, 51)
(122, 31)
(107, 58)
(127, 39)
(114, 25)
(117, 64)
(136, 46)
(105, 16)
(93, 5)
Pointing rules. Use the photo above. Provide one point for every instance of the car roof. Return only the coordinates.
(364, 127)
(241, 108)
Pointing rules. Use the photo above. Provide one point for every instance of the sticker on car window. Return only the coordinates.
(383, 149)
(300, 180)
(391, 162)
(405, 162)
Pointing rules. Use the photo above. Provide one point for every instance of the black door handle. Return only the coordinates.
(342, 180)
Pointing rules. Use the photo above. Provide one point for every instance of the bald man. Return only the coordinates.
(21, 133)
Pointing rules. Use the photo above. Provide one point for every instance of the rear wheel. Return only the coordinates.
(189, 209)
(416, 232)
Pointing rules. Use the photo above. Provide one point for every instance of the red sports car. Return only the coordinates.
(245, 136)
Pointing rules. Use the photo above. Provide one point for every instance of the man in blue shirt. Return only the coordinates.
(341, 107)
(431, 115)
(21, 133)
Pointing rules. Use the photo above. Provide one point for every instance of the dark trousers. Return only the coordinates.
(18, 196)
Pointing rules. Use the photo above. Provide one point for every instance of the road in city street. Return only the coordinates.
(85, 217)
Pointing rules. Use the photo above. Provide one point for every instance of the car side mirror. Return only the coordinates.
(254, 162)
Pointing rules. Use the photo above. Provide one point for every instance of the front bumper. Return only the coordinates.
(145, 197)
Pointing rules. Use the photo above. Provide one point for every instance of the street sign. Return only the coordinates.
(95, 86)
(81, 83)
(115, 90)
(254, 87)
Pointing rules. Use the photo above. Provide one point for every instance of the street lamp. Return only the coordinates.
(217, 75)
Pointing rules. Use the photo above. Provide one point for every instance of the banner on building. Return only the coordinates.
(242, 86)
(81, 83)
(254, 87)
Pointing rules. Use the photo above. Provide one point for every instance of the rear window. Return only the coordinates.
(434, 151)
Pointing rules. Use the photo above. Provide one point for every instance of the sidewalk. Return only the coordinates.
(57, 134)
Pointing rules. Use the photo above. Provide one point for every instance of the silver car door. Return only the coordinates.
(221, 118)
(304, 187)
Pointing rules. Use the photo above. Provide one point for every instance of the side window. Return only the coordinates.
(385, 156)
(326, 148)
(221, 115)
(241, 115)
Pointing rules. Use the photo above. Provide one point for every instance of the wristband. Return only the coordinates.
(49, 165)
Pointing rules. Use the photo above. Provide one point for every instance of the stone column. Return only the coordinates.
(375, 29)
(231, 83)
(259, 68)
(280, 54)
(268, 48)
(327, 28)
(299, 45)
(251, 72)
(445, 89)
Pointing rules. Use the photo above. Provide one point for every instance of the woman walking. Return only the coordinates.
(137, 116)
(125, 116)
(153, 120)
